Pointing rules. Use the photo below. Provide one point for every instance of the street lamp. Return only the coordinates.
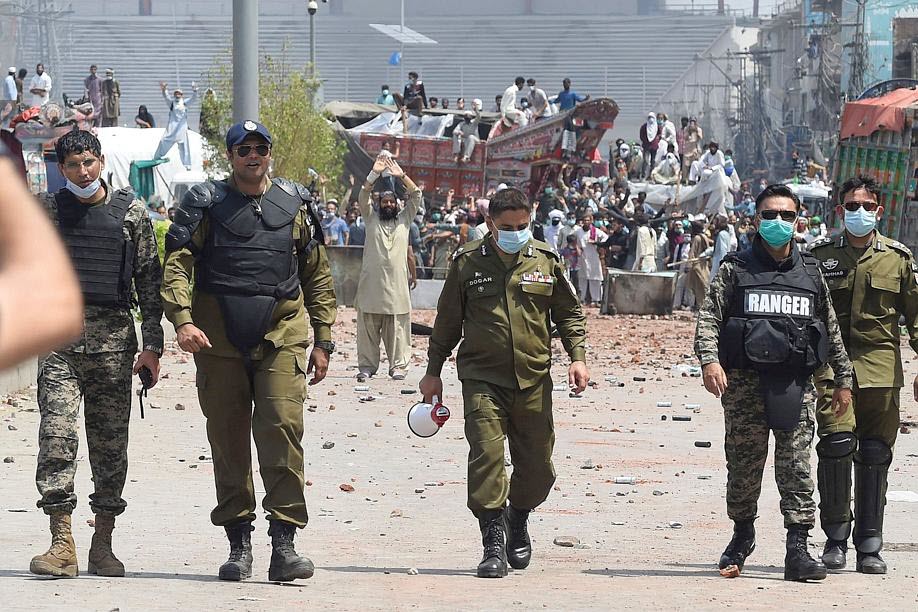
(312, 6)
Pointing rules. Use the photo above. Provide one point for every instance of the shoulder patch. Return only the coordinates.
(898, 246)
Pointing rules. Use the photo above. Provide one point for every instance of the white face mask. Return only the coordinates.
(84, 192)
(180, 103)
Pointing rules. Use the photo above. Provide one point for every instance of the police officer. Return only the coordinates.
(872, 280)
(502, 292)
(113, 249)
(768, 319)
(253, 248)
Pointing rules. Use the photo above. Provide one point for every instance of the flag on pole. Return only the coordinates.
(395, 59)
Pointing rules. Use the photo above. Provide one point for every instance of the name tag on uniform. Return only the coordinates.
(779, 303)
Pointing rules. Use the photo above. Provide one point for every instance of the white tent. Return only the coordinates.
(121, 146)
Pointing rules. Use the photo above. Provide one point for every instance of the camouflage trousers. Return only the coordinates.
(103, 382)
(746, 447)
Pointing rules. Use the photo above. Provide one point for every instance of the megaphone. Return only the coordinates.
(425, 419)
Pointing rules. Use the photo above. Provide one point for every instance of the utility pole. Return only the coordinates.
(245, 60)
(401, 49)
(312, 6)
(858, 53)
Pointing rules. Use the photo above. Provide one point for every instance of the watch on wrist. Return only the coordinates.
(326, 345)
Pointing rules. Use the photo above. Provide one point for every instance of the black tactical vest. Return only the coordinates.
(249, 259)
(102, 257)
(773, 325)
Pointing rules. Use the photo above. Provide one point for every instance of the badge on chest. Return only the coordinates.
(537, 277)
(830, 269)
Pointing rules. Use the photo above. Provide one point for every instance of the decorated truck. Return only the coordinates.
(529, 157)
(879, 138)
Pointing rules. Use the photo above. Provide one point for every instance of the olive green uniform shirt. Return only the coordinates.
(182, 304)
(503, 313)
(870, 289)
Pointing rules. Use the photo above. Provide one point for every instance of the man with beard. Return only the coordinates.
(383, 302)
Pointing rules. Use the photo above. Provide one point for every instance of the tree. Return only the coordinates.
(302, 137)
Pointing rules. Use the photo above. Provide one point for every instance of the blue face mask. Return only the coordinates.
(860, 222)
(776, 232)
(513, 242)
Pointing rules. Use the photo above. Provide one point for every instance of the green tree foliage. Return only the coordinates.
(160, 228)
(303, 137)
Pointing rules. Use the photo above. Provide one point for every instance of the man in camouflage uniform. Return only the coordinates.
(768, 319)
(872, 279)
(112, 247)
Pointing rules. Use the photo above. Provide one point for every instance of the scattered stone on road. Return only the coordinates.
(566, 541)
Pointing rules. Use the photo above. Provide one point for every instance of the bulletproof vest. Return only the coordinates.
(102, 257)
(772, 325)
(248, 260)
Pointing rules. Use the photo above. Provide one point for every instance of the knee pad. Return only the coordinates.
(837, 445)
(874, 451)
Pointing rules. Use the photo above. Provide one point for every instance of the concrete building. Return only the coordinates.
(634, 51)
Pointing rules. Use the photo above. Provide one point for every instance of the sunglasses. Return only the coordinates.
(261, 149)
(771, 215)
(854, 206)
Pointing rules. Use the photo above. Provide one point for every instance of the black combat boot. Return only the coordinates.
(493, 539)
(740, 547)
(239, 565)
(798, 564)
(834, 555)
(286, 565)
(519, 546)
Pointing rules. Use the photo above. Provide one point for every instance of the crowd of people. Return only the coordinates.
(593, 224)
(99, 105)
(522, 102)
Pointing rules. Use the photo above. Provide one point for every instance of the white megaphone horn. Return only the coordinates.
(426, 419)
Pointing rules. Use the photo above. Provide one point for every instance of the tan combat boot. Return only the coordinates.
(61, 559)
(102, 561)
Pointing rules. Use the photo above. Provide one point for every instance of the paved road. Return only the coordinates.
(408, 506)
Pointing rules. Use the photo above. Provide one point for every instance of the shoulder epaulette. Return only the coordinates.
(544, 248)
(821, 242)
(898, 246)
